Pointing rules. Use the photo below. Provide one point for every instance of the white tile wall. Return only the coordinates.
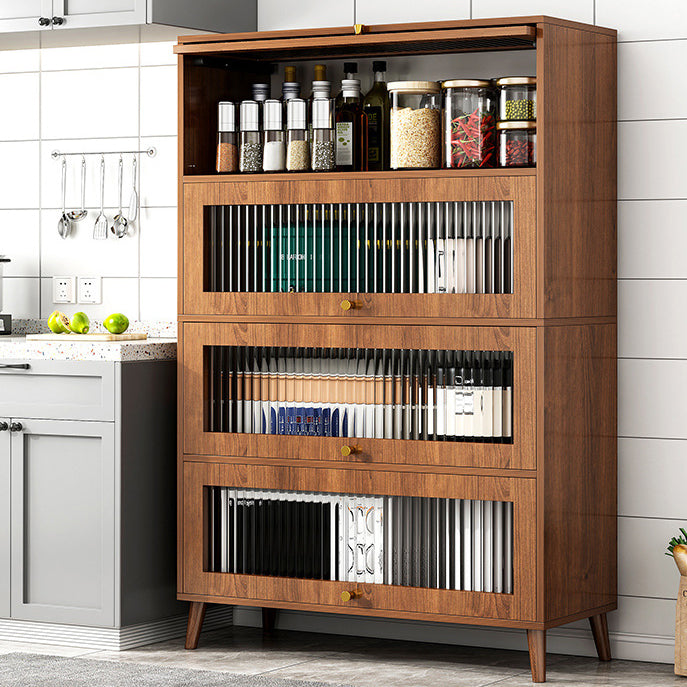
(379, 11)
(637, 20)
(305, 14)
(577, 10)
(88, 91)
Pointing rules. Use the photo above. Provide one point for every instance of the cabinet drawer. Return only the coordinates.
(420, 247)
(57, 390)
(442, 581)
(383, 394)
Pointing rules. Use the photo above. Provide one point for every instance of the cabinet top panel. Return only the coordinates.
(510, 33)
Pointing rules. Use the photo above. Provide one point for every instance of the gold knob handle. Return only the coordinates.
(349, 305)
(359, 28)
(348, 450)
(349, 596)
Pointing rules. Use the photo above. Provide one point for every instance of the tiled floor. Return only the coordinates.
(365, 662)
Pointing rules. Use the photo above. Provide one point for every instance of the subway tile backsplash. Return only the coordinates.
(126, 93)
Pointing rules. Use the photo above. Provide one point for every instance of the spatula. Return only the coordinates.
(100, 228)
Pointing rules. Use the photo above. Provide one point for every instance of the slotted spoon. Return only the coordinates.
(100, 228)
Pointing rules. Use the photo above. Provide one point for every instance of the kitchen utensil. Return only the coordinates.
(100, 228)
(133, 201)
(120, 224)
(64, 225)
(78, 215)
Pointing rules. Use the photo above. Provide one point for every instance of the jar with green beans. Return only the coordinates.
(517, 98)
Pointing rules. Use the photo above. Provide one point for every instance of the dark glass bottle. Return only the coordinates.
(350, 70)
(376, 107)
(351, 129)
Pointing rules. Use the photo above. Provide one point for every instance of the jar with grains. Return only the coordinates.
(297, 143)
(323, 152)
(517, 98)
(415, 124)
(250, 148)
(517, 144)
(227, 152)
(469, 123)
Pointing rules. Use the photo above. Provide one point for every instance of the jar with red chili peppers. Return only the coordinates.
(517, 144)
(469, 123)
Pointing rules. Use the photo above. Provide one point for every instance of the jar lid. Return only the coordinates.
(517, 125)
(226, 117)
(517, 81)
(295, 113)
(249, 115)
(271, 115)
(466, 83)
(420, 87)
(322, 113)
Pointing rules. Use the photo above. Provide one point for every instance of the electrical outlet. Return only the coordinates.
(90, 289)
(63, 290)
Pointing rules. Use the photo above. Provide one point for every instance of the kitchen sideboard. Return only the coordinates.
(356, 442)
(87, 445)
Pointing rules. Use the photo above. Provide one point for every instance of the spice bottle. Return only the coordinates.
(227, 152)
(469, 124)
(351, 129)
(415, 141)
(321, 88)
(517, 144)
(290, 88)
(350, 70)
(297, 145)
(261, 92)
(323, 148)
(250, 147)
(274, 152)
(376, 107)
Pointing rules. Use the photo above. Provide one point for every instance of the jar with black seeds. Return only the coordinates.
(517, 98)
(250, 146)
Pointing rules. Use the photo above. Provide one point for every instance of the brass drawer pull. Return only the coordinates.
(353, 594)
(350, 305)
(349, 450)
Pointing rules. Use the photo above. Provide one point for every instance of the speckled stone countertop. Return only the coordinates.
(18, 348)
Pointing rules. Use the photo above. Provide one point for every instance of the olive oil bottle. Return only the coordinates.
(376, 107)
(351, 129)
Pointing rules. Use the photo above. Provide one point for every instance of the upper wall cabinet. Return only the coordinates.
(201, 15)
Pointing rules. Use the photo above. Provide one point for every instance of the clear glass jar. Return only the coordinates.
(517, 98)
(415, 124)
(274, 150)
(323, 153)
(250, 145)
(297, 139)
(227, 151)
(517, 144)
(469, 124)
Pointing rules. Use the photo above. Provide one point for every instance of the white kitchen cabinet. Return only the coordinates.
(4, 518)
(201, 15)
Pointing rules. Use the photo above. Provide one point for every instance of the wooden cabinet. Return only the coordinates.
(432, 300)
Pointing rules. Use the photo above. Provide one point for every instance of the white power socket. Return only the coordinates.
(90, 289)
(63, 290)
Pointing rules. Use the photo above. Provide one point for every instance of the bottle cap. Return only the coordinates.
(322, 113)
(320, 72)
(290, 89)
(295, 113)
(350, 67)
(261, 91)
(379, 66)
(321, 89)
(271, 115)
(289, 73)
(350, 87)
(226, 116)
(249, 115)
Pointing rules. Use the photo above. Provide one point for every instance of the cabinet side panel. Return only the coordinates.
(148, 540)
(579, 471)
(576, 180)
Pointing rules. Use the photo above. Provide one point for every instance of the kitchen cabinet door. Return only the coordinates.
(63, 522)
(24, 15)
(79, 14)
(4, 518)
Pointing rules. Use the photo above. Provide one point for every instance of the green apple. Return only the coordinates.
(80, 324)
(116, 323)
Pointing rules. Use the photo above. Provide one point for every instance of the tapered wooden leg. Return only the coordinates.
(599, 626)
(196, 615)
(269, 619)
(536, 640)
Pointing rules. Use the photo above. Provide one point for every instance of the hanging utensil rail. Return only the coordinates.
(150, 152)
